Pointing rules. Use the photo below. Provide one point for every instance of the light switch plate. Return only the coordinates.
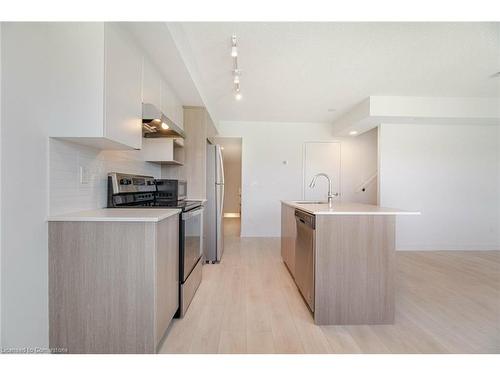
(84, 175)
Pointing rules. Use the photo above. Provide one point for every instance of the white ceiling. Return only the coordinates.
(300, 72)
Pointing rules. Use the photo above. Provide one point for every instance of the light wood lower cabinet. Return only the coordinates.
(288, 236)
(167, 274)
(113, 286)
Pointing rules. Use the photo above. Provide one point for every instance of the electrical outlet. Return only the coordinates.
(84, 175)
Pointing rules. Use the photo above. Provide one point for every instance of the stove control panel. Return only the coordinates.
(125, 183)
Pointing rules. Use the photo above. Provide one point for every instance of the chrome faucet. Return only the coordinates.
(330, 194)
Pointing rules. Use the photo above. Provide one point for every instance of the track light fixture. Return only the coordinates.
(234, 47)
(236, 76)
(236, 70)
(237, 93)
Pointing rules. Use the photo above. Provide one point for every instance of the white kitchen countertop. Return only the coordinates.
(201, 200)
(347, 208)
(118, 214)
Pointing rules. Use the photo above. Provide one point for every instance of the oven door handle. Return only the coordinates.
(190, 214)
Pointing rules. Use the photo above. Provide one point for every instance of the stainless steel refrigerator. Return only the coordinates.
(214, 207)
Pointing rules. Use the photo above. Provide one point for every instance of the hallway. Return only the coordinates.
(232, 227)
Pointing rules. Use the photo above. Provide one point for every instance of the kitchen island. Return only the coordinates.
(342, 259)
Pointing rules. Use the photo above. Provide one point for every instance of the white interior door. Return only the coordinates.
(321, 157)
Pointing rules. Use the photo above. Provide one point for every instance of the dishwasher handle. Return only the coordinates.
(305, 218)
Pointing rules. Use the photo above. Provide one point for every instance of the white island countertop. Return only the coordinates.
(118, 214)
(346, 208)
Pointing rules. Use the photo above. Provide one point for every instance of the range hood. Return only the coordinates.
(155, 124)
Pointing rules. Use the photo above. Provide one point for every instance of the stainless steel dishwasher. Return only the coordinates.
(304, 255)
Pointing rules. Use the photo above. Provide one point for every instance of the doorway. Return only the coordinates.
(231, 155)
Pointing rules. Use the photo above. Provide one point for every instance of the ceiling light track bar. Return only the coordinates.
(236, 69)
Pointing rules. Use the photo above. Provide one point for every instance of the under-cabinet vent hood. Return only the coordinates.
(156, 124)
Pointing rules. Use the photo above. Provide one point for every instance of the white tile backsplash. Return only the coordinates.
(67, 160)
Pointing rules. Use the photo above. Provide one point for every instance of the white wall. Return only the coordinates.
(266, 179)
(24, 190)
(450, 174)
(24, 152)
(1, 240)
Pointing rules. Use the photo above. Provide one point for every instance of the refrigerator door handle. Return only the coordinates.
(220, 221)
(222, 203)
(221, 165)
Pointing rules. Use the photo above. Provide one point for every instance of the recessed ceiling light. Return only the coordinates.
(353, 132)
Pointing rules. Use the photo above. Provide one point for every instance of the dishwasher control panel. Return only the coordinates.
(306, 218)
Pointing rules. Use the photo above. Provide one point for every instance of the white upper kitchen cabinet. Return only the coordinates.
(123, 88)
(179, 109)
(94, 80)
(163, 150)
(151, 84)
(155, 90)
(166, 100)
(171, 105)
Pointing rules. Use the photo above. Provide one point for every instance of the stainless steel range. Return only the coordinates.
(127, 191)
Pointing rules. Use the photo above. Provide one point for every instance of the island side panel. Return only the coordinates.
(101, 277)
(354, 280)
(288, 236)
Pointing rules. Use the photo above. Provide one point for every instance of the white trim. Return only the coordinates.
(448, 247)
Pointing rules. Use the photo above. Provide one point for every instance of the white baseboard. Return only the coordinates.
(448, 247)
(231, 214)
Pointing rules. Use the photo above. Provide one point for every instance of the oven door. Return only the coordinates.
(192, 238)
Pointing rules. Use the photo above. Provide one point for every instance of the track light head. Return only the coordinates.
(234, 48)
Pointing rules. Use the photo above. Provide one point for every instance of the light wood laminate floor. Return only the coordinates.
(446, 302)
